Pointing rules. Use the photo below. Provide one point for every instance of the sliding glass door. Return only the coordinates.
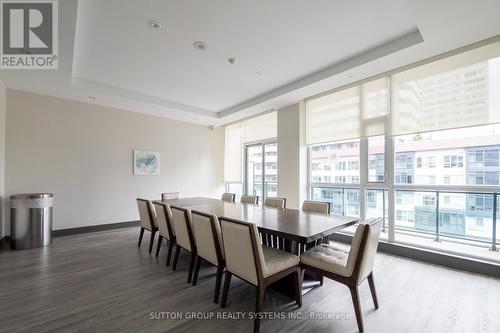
(261, 169)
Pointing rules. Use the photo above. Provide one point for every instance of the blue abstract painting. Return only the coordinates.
(146, 163)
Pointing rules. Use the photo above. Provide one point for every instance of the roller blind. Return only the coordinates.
(233, 153)
(375, 107)
(334, 116)
(236, 135)
(458, 91)
(260, 128)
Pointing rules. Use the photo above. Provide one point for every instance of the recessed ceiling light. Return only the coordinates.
(199, 45)
(154, 24)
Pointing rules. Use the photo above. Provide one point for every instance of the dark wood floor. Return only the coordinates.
(101, 282)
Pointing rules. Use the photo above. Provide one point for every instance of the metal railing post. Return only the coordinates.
(437, 217)
(494, 236)
(383, 210)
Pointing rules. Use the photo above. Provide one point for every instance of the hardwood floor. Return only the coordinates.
(101, 282)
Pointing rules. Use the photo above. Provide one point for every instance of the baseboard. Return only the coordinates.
(94, 228)
(433, 257)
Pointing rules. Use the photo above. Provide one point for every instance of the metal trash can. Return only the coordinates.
(31, 220)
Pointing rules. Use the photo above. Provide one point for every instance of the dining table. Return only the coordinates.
(287, 229)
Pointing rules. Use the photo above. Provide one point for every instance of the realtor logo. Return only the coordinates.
(29, 35)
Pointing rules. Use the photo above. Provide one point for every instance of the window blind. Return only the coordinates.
(236, 135)
(375, 107)
(233, 153)
(334, 117)
(459, 91)
(260, 128)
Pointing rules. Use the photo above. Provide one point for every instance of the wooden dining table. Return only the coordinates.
(291, 230)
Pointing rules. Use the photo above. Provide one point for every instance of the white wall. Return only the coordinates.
(2, 155)
(83, 154)
(292, 155)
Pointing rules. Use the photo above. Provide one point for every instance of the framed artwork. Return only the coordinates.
(146, 163)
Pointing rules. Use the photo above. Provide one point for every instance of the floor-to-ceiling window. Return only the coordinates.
(261, 169)
(420, 148)
(251, 156)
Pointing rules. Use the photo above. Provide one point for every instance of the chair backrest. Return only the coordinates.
(146, 214)
(364, 247)
(251, 199)
(183, 227)
(275, 202)
(229, 197)
(208, 237)
(316, 206)
(244, 256)
(170, 195)
(164, 219)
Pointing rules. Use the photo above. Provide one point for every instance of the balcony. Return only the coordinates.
(458, 223)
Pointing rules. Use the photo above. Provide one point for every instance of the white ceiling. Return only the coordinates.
(108, 50)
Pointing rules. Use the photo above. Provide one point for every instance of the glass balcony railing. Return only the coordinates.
(468, 216)
(343, 201)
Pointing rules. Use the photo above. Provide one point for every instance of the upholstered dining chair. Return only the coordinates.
(184, 236)
(350, 268)
(256, 264)
(251, 199)
(170, 195)
(275, 202)
(316, 206)
(268, 239)
(208, 246)
(148, 220)
(165, 227)
(229, 197)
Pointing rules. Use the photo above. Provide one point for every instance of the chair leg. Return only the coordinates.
(218, 280)
(196, 269)
(225, 291)
(169, 253)
(191, 266)
(160, 238)
(176, 257)
(151, 241)
(357, 306)
(140, 237)
(297, 277)
(371, 282)
(258, 308)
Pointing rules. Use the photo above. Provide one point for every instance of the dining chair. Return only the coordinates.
(256, 264)
(170, 195)
(351, 267)
(229, 197)
(208, 246)
(184, 236)
(251, 199)
(148, 221)
(316, 206)
(268, 239)
(275, 202)
(165, 227)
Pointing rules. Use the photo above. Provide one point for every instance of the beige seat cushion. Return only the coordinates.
(277, 261)
(328, 258)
